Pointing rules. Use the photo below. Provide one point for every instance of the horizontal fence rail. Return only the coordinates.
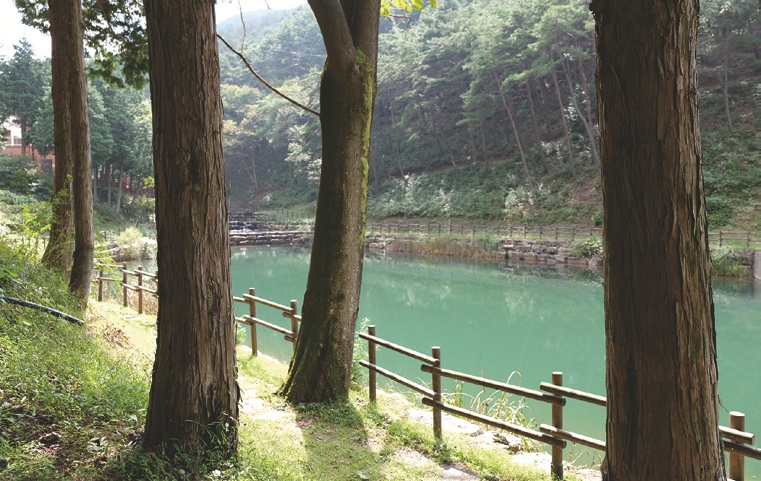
(143, 279)
(571, 233)
(736, 441)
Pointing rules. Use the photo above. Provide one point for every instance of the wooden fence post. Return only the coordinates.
(540, 232)
(573, 232)
(139, 289)
(372, 360)
(124, 283)
(436, 385)
(100, 285)
(556, 232)
(294, 322)
(557, 422)
(252, 324)
(747, 239)
(737, 461)
(721, 238)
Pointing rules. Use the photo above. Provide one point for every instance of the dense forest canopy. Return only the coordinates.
(485, 109)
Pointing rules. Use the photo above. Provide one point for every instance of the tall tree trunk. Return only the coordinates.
(538, 138)
(395, 142)
(95, 172)
(483, 144)
(66, 41)
(22, 125)
(587, 127)
(562, 117)
(119, 191)
(509, 110)
(253, 170)
(109, 180)
(472, 145)
(82, 193)
(588, 101)
(321, 367)
(725, 79)
(661, 371)
(194, 393)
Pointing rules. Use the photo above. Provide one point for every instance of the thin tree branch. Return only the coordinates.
(251, 69)
(243, 24)
(108, 21)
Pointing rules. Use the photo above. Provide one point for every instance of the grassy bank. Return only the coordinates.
(73, 398)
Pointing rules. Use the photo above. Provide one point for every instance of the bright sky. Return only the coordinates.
(12, 30)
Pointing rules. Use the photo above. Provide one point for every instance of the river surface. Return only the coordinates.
(507, 321)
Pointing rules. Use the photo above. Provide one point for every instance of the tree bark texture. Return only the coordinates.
(68, 88)
(79, 125)
(661, 371)
(194, 393)
(321, 367)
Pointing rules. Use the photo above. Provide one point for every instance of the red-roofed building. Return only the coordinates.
(12, 139)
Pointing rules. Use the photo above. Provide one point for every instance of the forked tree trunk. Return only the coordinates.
(194, 395)
(321, 367)
(661, 372)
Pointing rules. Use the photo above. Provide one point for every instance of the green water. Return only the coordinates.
(494, 318)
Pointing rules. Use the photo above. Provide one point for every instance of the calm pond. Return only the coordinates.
(498, 319)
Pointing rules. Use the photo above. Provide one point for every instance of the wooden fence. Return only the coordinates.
(569, 233)
(746, 239)
(252, 320)
(145, 282)
(736, 441)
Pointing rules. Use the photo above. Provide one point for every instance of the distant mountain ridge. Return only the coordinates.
(258, 24)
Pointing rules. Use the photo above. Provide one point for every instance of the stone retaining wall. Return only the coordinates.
(546, 251)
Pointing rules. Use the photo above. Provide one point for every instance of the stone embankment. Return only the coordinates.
(247, 229)
(546, 251)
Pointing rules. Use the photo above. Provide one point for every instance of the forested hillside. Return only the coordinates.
(485, 109)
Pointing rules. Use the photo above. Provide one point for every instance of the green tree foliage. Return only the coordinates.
(22, 87)
(449, 79)
(114, 34)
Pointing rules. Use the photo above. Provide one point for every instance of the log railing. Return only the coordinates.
(251, 320)
(735, 440)
(143, 282)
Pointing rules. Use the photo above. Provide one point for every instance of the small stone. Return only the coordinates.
(50, 438)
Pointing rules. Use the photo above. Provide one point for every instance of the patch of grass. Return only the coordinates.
(67, 402)
(726, 262)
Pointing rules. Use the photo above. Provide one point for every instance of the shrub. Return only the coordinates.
(597, 218)
(21, 176)
(726, 262)
(587, 248)
(134, 246)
